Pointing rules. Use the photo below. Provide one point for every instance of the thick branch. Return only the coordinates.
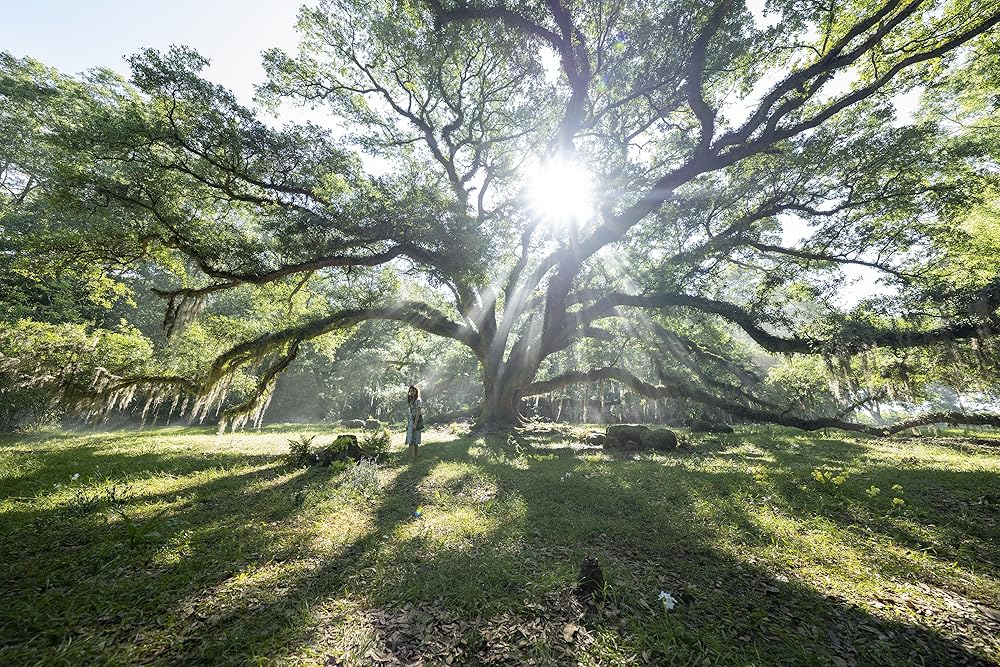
(859, 341)
(413, 313)
(696, 75)
(746, 412)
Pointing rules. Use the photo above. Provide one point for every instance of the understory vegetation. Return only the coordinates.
(179, 546)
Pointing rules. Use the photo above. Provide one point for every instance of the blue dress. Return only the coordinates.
(412, 434)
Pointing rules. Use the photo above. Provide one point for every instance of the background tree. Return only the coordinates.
(699, 130)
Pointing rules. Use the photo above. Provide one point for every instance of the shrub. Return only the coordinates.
(362, 478)
(300, 452)
(376, 443)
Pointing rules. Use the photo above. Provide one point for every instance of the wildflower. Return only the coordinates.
(897, 488)
(668, 600)
(818, 476)
(873, 491)
(898, 501)
(840, 479)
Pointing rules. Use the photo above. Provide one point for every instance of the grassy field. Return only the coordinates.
(176, 546)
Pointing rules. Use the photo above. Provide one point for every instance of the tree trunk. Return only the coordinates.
(500, 399)
(499, 408)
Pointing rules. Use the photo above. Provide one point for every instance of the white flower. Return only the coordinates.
(75, 476)
(668, 600)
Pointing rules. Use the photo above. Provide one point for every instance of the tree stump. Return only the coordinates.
(591, 583)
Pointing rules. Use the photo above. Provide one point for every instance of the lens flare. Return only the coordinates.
(561, 190)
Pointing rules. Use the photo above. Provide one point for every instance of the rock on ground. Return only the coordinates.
(635, 437)
(660, 439)
(705, 426)
(619, 435)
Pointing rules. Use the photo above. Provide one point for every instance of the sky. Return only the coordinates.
(76, 35)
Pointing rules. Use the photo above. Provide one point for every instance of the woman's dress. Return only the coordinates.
(412, 434)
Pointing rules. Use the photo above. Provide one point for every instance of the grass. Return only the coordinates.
(176, 546)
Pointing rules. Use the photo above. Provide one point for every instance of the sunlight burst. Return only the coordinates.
(561, 190)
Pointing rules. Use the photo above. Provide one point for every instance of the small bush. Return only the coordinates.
(153, 529)
(362, 478)
(86, 500)
(376, 443)
(300, 452)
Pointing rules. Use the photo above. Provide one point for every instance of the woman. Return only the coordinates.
(414, 420)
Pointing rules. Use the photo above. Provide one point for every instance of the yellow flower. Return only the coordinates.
(873, 491)
(840, 479)
(898, 501)
(897, 488)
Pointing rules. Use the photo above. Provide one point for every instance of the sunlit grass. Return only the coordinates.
(215, 551)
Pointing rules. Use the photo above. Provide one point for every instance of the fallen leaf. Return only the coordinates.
(989, 611)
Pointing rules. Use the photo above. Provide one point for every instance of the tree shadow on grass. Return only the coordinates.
(954, 507)
(734, 611)
(84, 578)
(500, 540)
(654, 535)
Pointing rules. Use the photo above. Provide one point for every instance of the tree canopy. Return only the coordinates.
(705, 133)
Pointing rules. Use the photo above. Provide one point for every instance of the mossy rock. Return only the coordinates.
(636, 437)
(660, 439)
(620, 434)
(705, 426)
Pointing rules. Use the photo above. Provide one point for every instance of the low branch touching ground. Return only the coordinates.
(754, 414)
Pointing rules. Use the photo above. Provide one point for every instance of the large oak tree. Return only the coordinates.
(703, 129)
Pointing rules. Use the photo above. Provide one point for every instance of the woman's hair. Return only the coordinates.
(412, 394)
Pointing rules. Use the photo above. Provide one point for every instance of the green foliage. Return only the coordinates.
(47, 369)
(341, 443)
(376, 443)
(802, 382)
(300, 454)
(362, 478)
